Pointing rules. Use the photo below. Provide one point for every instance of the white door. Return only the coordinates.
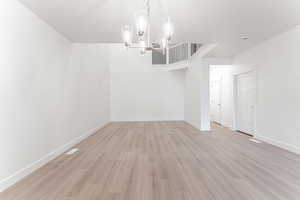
(215, 100)
(246, 92)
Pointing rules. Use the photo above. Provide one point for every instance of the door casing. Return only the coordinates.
(235, 85)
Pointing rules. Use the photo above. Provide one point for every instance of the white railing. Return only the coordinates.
(175, 54)
(178, 53)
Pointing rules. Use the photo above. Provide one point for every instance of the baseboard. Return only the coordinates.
(19, 175)
(283, 145)
(198, 127)
(147, 120)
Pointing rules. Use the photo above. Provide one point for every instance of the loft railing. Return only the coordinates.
(175, 54)
(178, 53)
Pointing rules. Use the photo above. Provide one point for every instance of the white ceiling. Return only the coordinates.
(203, 21)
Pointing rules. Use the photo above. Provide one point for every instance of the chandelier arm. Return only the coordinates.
(148, 28)
(147, 4)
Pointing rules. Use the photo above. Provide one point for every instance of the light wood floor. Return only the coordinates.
(165, 161)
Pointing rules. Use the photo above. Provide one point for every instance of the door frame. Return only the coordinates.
(235, 100)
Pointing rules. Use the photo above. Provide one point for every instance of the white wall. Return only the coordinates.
(277, 64)
(44, 101)
(196, 108)
(138, 93)
(89, 86)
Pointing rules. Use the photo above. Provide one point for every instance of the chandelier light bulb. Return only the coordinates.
(142, 44)
(164, 43)
(141, 19)
(168, 29)
(127, 35)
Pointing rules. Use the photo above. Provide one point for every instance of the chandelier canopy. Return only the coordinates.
(142, 28)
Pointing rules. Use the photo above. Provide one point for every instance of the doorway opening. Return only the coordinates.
(233, 98)
(220, 94)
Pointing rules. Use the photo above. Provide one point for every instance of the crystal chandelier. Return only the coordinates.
(142, 24)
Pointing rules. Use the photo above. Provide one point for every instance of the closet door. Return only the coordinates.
(246, 95)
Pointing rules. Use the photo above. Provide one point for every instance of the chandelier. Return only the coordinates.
(142, 30)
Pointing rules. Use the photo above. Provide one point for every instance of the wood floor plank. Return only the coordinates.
(165, 161)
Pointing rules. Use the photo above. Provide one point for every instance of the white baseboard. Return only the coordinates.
(19, 175)
(146, 120)
(283, 145)
(195, 126)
